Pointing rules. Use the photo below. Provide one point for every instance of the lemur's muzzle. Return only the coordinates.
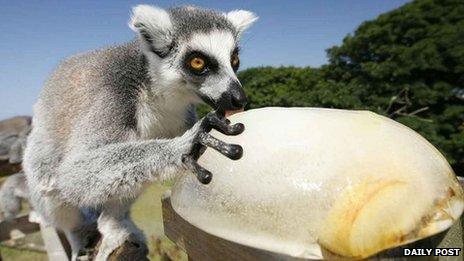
(234, 99)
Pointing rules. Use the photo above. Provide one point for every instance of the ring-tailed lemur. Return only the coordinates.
(109, 122)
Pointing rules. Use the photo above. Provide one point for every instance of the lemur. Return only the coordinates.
(111, 121)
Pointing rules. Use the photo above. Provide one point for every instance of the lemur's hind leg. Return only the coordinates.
(71, 221)
(83, 239)
(74, 222)
(117, 228)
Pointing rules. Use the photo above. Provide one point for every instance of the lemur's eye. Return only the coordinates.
(235, 61)
(197, 63)
(200, 64)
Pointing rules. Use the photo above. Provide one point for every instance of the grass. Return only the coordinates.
(147, 214)
(21, 255)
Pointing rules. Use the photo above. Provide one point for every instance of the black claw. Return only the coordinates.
(217, 121)
(204, 176)
(222, 125)
(237, 128)
(234, 152)
(219, 113)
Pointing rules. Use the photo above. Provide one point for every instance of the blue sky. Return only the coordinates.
(36, 35)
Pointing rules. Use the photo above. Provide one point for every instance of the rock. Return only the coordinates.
(15, 125)
(13, 135)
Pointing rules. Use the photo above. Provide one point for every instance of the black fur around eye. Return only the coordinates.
(199, 64)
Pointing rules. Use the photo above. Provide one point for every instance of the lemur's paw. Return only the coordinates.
(203, 139)
(129, 251)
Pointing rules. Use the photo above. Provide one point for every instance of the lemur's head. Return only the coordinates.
(194, 51)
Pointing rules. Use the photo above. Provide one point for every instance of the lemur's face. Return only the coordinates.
(208, 62)
(195, 51)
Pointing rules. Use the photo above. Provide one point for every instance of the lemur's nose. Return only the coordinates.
(233, 98)
(237, 96)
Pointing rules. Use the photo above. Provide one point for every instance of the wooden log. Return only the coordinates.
(20, 223)
(7, 168)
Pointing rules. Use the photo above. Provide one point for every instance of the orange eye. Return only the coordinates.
(235, 61)
(197, 63)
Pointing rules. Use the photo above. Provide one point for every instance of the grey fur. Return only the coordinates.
(107, 123)
(189, 20)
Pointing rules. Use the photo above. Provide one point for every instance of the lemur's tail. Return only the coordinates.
(11, 192)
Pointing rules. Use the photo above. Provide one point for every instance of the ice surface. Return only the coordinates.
(352, 182)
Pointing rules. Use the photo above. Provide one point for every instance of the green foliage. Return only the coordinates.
(405, 64)
(202, 110)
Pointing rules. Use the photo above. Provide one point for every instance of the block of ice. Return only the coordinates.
(350, 182)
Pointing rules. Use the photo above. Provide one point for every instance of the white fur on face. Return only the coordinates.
(219, 45)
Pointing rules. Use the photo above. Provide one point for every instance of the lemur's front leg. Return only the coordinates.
(203, 139)
(114, 222)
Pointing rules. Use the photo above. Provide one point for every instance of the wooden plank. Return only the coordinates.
(7, 169)
(20, 223)
(56, 248)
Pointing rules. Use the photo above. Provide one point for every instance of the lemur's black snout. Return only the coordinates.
(234, 98)
(239, 99)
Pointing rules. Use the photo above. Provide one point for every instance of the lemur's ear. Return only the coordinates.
(154, 27)
(241, 19)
